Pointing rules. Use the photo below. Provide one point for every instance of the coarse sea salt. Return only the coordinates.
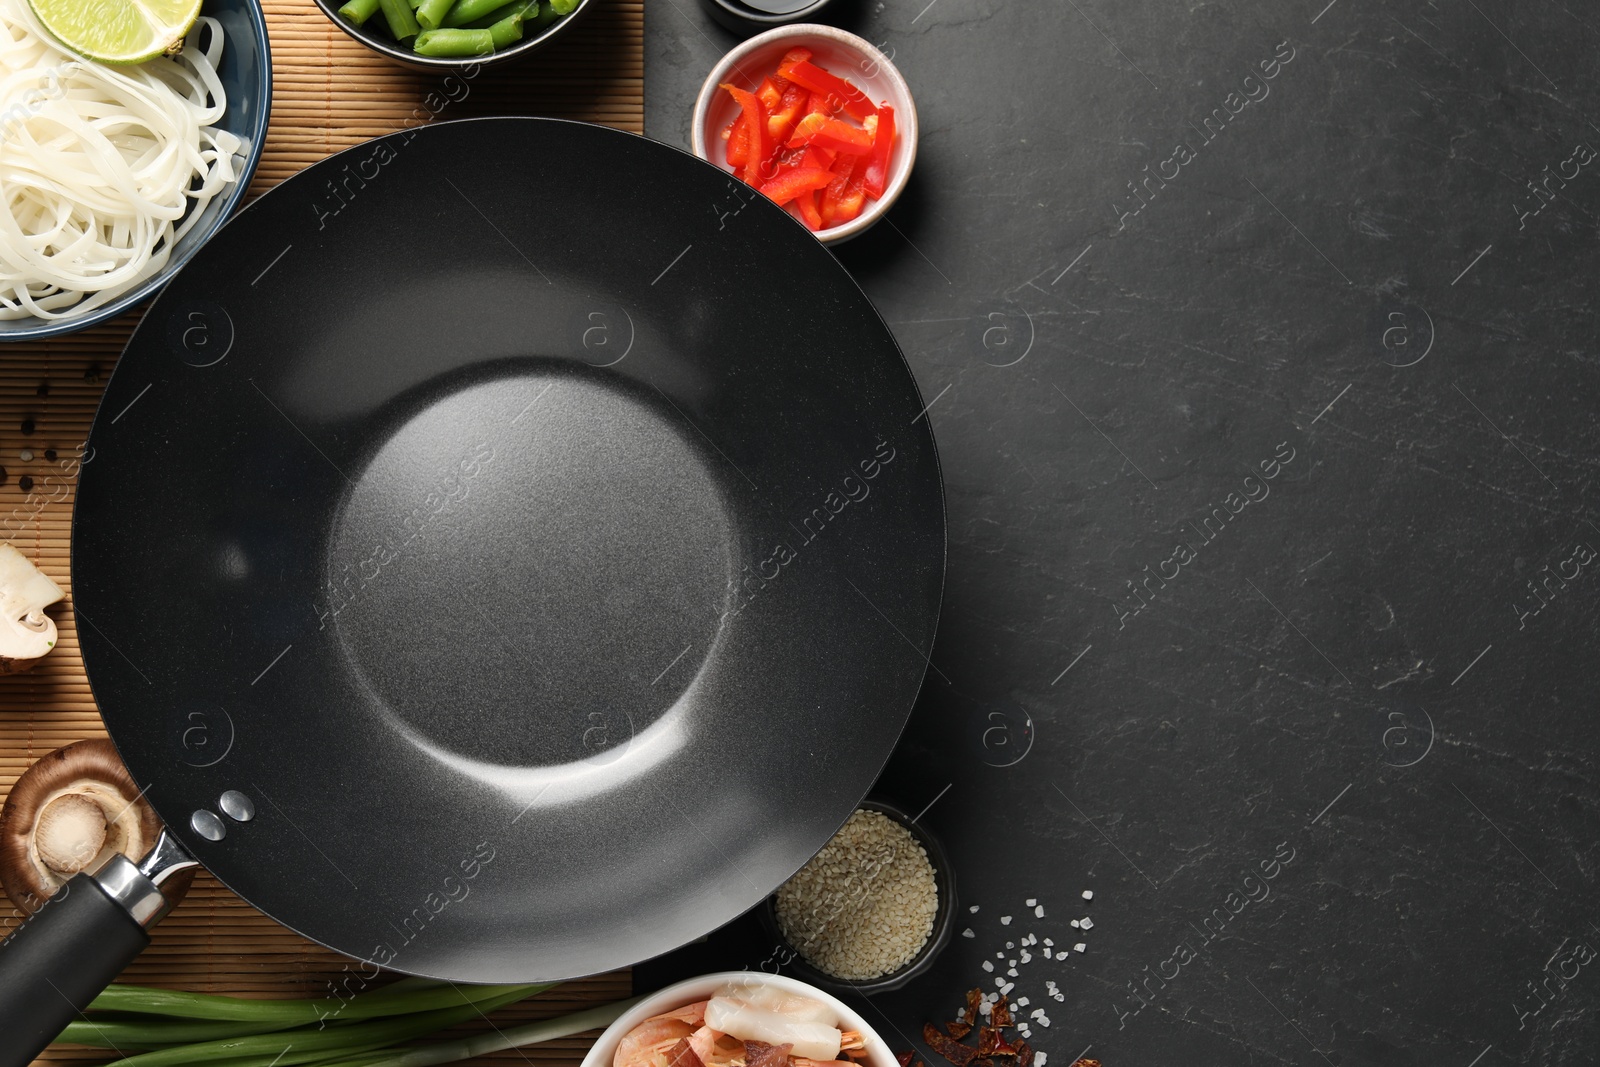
(1086, 923)
(1088, 894)
(1005, 920)
(1074, 924)
(1047, 954)
(1026, 955)
(974, 908)
(1048, 941)
(968, 932)
(1022, 1002)
(1079, 947)
(1031, 901)
(1040, 1059)
(988, 965)
(1011, 971)
(1038, 912)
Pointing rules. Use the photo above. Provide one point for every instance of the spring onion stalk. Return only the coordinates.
(152, 1034)
(359, 11)
(291, 1048)
(496, 1041)
(391, 1000)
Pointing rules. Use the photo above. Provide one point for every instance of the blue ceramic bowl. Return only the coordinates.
(246, 75)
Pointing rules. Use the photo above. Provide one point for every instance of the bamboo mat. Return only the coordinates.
(329, 93)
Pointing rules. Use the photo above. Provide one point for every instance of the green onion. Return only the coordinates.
(391, 1000)
(498, 1041)
(290, 1048)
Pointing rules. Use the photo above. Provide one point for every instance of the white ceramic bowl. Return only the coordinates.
(838, 52)
(687, 992)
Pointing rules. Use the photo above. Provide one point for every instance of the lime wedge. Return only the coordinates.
(118, 31)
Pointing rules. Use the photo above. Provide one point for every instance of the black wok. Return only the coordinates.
(507, 552)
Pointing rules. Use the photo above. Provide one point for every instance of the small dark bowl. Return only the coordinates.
(746, 21)
(944, 920)
(379, 41)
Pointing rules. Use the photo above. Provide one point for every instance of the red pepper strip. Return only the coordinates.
(822, 104)
(769, 93)
(816, 79)
(791, 107)
(755, 122)
(738, 142)
(805, 206)
(793, 55)
(877, 172)
(841, 137)
(841, 202)
(791, 183)
(807, 127)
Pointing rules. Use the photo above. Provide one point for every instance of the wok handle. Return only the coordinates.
(57, 961)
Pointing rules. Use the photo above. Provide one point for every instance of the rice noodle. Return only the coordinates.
(102, 168)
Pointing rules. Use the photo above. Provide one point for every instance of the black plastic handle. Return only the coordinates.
(57, 961)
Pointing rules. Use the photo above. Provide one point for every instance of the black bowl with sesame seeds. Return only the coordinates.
(871, 911)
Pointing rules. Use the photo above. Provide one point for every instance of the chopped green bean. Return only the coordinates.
(359, 11)
(564, 7)
(526, 8)
(464, 11)
(506, 32)
(402, 23)
(454, 42)
(431, 13)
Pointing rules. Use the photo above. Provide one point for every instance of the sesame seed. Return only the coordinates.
(864, 906)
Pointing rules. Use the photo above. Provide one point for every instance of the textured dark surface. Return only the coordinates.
(1351, 268)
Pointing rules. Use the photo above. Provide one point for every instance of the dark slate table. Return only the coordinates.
(1266, 411)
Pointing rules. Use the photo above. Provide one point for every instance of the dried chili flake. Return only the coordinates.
(1000, 1014)
(958, 1029)
(974, 1003)
(956, 1053)
(905, 1057)
(988, 1037)
(1025, 1054)
(1086, 1063)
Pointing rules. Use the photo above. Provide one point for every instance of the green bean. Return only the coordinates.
(454, 42)
(310, 1045)
(564, 7)
(465, 11)
(391, 1000)
(359, 11)
(506, 32)
(526, 8)
(431, 13)
(496, 1041)
(402, 23)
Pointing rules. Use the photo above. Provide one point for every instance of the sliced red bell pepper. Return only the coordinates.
(793, 55)
(841, 137)
(843, 198)
(738, 142)
(876, 173)
(818, 80)
(823, 104)
(805, 205)
(807, 127)
(769, 93)
(791, 183)
(755, 124)
(791, 107)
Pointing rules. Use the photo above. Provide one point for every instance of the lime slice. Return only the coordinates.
(118, 31)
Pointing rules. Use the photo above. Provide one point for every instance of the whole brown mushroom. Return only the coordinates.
(69, 812)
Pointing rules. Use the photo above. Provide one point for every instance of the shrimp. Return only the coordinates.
(648, 1044)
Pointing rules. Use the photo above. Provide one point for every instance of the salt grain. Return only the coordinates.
(1005, 920)
(974, 908)
(1048, 941)
(1079, 947)
(1047, 954)
(1038, 913)
(1022, 1002)
(1040, 1059)
(988, 965)
(1026, 955)
(1012, 971)
(968, 932)
(1086, 923)
(1074, 924)
(1088, 894)
(1031, 901)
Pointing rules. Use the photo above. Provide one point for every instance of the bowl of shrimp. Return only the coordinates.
(740, 1019)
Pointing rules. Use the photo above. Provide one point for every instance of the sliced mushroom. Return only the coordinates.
(26, 632)
(68, 813)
